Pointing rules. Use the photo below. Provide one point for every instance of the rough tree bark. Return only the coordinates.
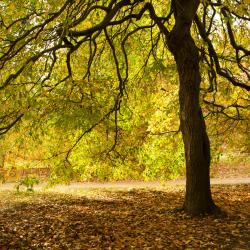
(198, 199)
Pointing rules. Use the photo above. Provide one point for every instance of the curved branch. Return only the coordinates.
(4, 130)
(103, 24)
(237, 47)
(220, 71)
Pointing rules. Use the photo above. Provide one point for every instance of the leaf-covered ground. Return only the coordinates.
(121, 219)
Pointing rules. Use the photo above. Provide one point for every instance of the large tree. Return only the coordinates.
(45, 44)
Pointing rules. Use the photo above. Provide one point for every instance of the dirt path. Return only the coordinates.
(143, 184)
(137, 184)
(154, 184)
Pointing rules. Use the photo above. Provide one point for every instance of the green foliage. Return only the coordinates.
(65, 96)
(28, 181)
(163, 158)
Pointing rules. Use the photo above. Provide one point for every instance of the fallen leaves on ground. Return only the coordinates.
(109, 219)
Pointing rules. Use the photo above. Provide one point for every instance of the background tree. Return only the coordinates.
(73, 60)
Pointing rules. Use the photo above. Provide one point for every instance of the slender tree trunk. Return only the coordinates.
(198, 199)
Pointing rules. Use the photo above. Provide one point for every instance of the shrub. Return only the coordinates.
(28, 181)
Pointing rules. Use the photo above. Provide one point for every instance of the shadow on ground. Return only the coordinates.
(137, 219)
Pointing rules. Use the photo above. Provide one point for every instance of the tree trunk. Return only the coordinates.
(198, 199)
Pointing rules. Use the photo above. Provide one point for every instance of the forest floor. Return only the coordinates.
(121, 218)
